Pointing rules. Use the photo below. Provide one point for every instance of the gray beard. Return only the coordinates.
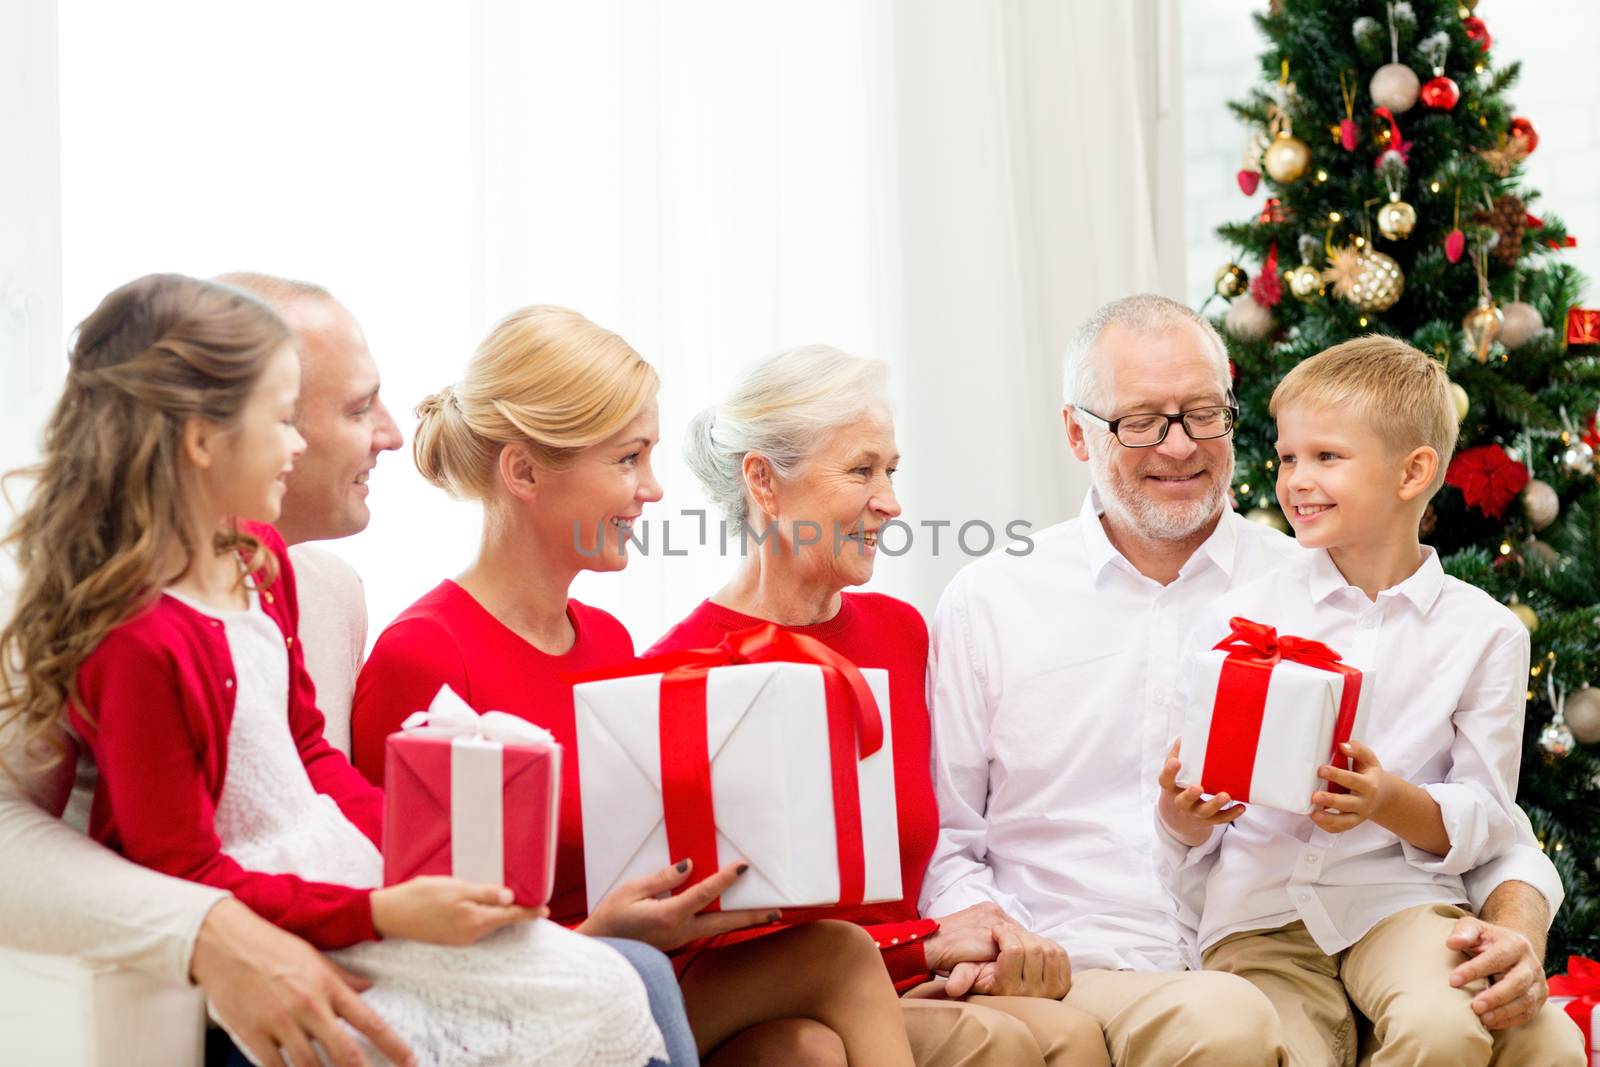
(1154, 520)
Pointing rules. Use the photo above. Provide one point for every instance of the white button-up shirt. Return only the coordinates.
(1054, 685)
(1448, 667)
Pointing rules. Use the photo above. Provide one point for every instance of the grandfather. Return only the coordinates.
(1053, 679)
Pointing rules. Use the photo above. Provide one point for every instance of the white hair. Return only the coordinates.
(779, 409)
(1140, 313)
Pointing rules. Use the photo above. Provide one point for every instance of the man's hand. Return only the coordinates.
(1370, 789)
(275, 994)
(965, 936)
(1509, 960)
(1185, 812)
(1027, 966)
(639, 911)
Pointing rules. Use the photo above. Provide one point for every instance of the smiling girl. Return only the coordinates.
(158, 615)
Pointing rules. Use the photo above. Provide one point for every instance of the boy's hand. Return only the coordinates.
(1370, 790)
(1183, 810)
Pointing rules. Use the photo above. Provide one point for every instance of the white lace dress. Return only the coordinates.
(536, 993)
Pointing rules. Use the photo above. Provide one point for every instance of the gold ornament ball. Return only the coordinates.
(1304, 282)
(1379, 284)
(1269, 517)
(1459, 397)
(1540, 503)
(1395, 86)
(1396, 220)
(1230, 280)
(1480, 327)
(1522, 321)
(1525, 615)
(1582, 712)
(1287, 158)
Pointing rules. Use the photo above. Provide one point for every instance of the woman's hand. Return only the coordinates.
(446, 911)
(639, 911)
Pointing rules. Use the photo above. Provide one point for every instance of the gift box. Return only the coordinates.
(473, 796)
(1578, 994)
(771, 748)
(1265, 712)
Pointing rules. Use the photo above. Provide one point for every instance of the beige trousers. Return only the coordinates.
(1397, 976)
(1002, 1031)
(1180, 1018)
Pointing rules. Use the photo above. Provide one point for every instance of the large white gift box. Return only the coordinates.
(762, 731)
(1264, 713)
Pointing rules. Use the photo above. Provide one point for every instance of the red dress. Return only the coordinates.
(870, 630)
(447, 637)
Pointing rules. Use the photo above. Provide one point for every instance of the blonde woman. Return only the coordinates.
(551, 429)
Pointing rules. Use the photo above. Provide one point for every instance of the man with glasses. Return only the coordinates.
(1054, 681)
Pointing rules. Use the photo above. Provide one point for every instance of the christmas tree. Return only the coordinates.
(1391, 157)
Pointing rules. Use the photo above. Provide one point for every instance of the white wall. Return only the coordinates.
(1559, 92)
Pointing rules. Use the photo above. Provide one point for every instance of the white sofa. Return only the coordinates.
(57, 1011)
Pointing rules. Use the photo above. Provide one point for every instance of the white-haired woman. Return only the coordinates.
(801, 456)
(551, 430)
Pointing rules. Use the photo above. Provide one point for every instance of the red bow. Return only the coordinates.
(855, 731)
(1254, 649)
(1582, 983)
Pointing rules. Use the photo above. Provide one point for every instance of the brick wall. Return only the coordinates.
(1558, 42)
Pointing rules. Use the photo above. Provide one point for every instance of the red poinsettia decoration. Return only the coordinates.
(1591, 436)
(1489, 479)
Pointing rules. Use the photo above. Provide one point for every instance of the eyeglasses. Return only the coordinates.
(1148, 429)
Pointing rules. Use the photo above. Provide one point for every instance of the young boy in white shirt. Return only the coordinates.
(1350, 906)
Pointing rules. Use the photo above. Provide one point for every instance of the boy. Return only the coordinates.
(1351, 905)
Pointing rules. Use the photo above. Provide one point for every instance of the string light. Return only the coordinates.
(1433, 187)
(1363, 320)
(1334, 216)
(1270, 464)
(1505, 548)
(1322, 175)
(1536, 670)
(1244, 488)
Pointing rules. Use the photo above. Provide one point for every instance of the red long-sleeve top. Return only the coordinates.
(156, 703)
(870, 630)
(447, 637)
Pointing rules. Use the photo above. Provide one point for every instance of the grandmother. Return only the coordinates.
(801, 455)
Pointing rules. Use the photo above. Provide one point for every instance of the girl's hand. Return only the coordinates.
(1370, 790)
(446, 911)
(1185, 812)
(639, 911)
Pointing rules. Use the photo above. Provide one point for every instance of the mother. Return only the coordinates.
(801, 455)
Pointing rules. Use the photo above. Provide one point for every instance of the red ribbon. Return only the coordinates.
(1254, 649)
(1582, 983)
(1396, 142)
(855, 731)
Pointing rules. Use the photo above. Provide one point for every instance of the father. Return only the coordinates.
(1053, 681)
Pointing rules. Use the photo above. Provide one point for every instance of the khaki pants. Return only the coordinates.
(1003, 1031)
(1398, 977)
(1180, 1018)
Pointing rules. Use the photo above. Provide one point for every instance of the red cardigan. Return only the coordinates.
(448, 637)
(156, 703)
(870, 630)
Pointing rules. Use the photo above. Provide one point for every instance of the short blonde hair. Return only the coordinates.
(1402, 393)
(779, 409)
(546, 377)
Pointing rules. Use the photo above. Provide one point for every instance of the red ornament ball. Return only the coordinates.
(1440, 93)
(1477, 31)
(1521, 127)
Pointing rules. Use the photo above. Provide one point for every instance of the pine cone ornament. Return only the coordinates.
(1508, 220)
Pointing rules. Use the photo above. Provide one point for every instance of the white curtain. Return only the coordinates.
(946, 184)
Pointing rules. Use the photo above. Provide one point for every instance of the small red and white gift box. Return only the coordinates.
(472, 796)
(1265, 712)
(1578, 994)
(771, 748)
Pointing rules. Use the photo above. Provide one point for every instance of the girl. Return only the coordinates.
(552, 429)
(158, 609)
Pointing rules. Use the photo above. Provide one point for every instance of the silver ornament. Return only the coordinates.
(1578, 459)
(1555, 739)
(1395, 86)
(1522, 322)
(1247, 319)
